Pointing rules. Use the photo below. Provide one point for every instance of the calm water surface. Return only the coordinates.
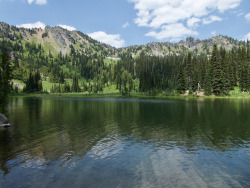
(126, 143)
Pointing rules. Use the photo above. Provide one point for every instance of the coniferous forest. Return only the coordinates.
(215, 72)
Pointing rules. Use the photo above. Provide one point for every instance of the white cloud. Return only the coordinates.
(172, 31)
(156, 14)
(33, 25)
(193, 22)
(247, 16)
(111, 39)
(70, 28)
(125, 25)
(240, 14)
(213, 33)
(246, 37)
(38, 2)
(211, 19)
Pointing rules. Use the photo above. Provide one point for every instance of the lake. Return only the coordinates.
(115, 142)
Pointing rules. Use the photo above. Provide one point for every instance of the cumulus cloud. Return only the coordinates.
(125, 25)
(247, 16)
(111, 39)
(38, 2)
(157, 14)
(193, 22)
(173, 31)
(32, 25)
(211, 19)
(70, 28)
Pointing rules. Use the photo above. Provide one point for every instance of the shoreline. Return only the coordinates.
(117, 95)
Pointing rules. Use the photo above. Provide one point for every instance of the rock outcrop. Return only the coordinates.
(4, 122)
(57, 34)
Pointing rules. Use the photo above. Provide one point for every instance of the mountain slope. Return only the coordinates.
(191, 44)
(57, 39)
(51, 58)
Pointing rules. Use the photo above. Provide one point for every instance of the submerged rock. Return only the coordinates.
(4, 122)
(5, 125)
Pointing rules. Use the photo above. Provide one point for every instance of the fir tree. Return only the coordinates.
(195, 75)
(181, 81)
(75, 86)
(217, 79)
(208, 82)
(227, 84)
(5, 74)
(248, 51)
(189, 70)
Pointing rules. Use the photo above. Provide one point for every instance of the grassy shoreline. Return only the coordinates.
(118, 95)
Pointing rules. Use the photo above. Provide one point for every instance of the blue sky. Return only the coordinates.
(122, 23)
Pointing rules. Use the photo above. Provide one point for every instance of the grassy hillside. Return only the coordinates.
(70, 61)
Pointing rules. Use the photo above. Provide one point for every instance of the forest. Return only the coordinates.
(215, 73)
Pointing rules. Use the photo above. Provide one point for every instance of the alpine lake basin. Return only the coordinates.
(121, 142)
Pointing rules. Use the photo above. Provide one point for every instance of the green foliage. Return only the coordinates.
(45, 34)
(34, 83)
(181, 82)
(217, 78)
(75, 86)
(5, 74)
(92, 70)
(207, 82)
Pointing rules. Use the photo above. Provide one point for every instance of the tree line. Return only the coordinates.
(216, 72)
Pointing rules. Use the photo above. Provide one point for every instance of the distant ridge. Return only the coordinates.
(56, 40)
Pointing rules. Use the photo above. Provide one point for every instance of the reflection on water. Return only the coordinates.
(126, 143)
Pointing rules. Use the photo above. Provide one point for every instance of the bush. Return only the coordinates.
(45, 34)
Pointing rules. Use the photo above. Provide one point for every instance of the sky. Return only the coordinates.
(123, 23)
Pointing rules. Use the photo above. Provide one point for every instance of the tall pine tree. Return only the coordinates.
(217, 79)
(181, 81)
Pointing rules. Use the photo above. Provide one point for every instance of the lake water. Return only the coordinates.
(59, 142)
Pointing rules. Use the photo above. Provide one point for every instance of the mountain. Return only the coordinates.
(191, 44)
(57, 39)
(55, 59)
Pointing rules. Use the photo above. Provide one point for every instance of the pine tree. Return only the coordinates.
(195, 75)
(37, 78)
(189, 70)
(75, 86)
(217, 79)
(5, 73)
(248, 51)
(61, 79)
(208, 81)
(181, 81)
(227, 84)
(244, 70)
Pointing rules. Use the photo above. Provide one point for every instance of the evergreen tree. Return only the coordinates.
(217, 79)
(208, 82)
(5, 74)
(34, 83)
(75, 86)
(248, 51)
(181, 81)
(195, 75)
(61, 79)
(37, 78)
(189, 70)
(227, 84)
